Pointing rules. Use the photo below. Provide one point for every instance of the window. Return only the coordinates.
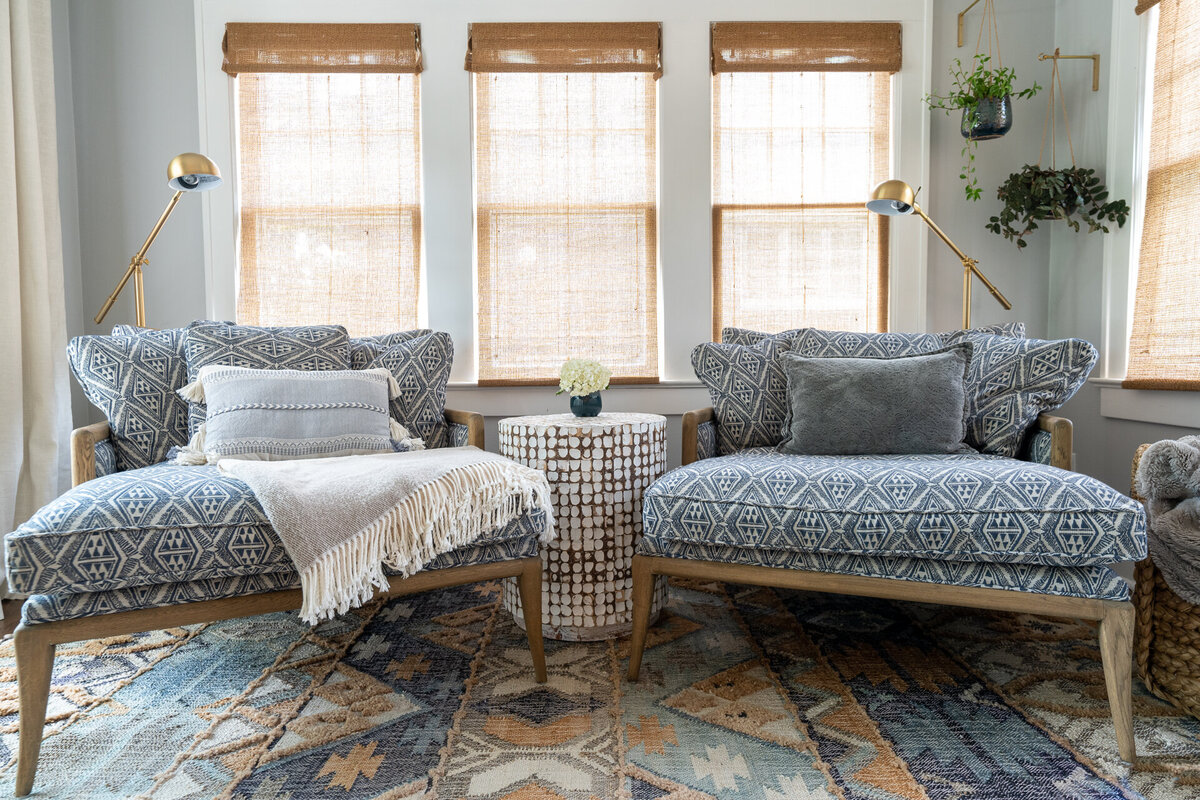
(565, 198)
(800, 135)
(1164, 347)
(329, 174)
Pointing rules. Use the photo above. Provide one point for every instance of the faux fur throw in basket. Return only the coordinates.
(342, 520)
(1168, 476)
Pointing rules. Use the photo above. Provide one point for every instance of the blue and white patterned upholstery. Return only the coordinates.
(1038, 449)
(421, 366)
(1091, 581)
(160, 524)
(365, 348)
(944, 507)
(1012, 381)
(309, 348)
(891, 341)
(748, 390)
(706, 440)
(457, 434)
(133, 379)
(105, 456)
(71, 605)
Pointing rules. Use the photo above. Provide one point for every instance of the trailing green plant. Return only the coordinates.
(1074, 195)
(968, 87)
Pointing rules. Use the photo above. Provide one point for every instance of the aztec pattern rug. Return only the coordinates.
(745, 693)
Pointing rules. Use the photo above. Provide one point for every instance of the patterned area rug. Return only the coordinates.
(745, 693)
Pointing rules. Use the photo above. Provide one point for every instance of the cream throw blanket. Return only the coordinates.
(342, 520)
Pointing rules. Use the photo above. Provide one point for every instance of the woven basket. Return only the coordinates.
(1167, 637)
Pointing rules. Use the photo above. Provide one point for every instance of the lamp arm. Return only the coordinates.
(968, 262)
(138, 259)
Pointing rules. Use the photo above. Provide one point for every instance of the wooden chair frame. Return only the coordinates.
(35, 644)
(1115, 617)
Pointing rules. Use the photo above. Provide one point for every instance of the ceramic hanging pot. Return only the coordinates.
(991, 118)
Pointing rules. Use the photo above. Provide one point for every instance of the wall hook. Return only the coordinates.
(962, 21)
(1095, 57)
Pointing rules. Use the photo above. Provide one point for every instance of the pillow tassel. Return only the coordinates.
(193, 392)
(193, 455)
(406, 440)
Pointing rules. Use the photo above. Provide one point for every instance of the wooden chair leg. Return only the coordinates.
(643, 597)
(1116, 652)
(530, 585)
(35, 660)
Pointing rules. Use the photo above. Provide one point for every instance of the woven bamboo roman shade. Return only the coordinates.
(329, 167)
(318, 47)
(806, 46)
(1164, 347)
(566, 199)
(565, 47)
(794, 154)
(1145, 5)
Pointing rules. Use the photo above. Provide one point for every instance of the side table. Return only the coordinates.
(598, 468)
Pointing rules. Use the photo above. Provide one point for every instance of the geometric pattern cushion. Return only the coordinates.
(814, 343)
(1014, 380)
(365, 348)
(521, 542)
(747, 387)
(421, 366)
(972, 507)
(133, 379)
(893, 343)
(105, 456)
(706, 440)
(160, 524)
(1094, 581)
(1038, 449)
(457, 435)
(309, 348)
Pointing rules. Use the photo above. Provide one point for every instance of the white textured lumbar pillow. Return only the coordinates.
(280, 414)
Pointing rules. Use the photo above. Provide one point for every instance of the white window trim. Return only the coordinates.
(1129, 131)
(685, 241)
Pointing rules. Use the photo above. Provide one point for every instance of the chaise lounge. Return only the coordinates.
(1021, 534)
(146, 547)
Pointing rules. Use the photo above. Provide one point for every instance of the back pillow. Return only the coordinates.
(307, 348)
(748, 390)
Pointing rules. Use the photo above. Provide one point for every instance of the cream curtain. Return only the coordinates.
(34, 392)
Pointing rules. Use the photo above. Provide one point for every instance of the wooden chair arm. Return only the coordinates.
(692, 420)
(1061, 439)
(83, 451)
(472, 420)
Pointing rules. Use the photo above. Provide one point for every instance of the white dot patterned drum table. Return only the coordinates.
(598, 468)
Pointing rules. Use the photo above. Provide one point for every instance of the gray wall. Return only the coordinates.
(128, 102)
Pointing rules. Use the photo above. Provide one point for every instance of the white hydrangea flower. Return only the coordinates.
(582, 376)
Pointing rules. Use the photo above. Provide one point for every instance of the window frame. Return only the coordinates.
(685, 188)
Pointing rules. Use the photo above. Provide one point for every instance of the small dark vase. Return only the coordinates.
(991, 118)
(587, 405)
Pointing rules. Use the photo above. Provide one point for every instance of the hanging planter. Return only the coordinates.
(991, 118)
(1073, 195)
(984, 94)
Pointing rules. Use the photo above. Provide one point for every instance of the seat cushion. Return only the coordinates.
(159, 524)
(71, 605)
(1092, 581)
(944, 507)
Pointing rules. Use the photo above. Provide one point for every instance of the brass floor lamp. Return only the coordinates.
(187, 172)
(896, 198)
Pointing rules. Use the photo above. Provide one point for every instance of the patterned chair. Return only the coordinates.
(140, 544)
(1020, 534)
